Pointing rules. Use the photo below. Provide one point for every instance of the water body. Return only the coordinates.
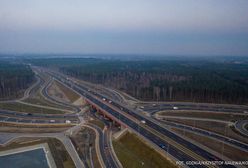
(28, 159)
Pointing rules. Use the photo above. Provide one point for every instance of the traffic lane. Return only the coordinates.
(107, 139)
(108, 149)
(153, 109)
(75, 121)
(32, 120)
(35, 115)
(107, 159)
(218, 106)
(35, 88)
(11, 120)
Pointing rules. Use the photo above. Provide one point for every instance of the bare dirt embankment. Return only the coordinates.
(62, 92)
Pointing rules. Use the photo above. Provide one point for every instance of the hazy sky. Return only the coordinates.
(179, 27)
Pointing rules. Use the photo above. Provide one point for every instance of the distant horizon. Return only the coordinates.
(171, 27)
(119, 56)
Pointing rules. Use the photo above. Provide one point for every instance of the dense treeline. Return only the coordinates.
(178, 80)
(14, 78)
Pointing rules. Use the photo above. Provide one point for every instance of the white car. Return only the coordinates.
(143, 121)
(175, 108)
(67, 121)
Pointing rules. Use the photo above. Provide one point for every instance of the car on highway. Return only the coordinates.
(67, 121)
(143, 121)
(162, 146)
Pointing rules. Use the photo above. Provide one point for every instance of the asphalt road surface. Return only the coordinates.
(153, 107)
(241, 127)
(20, 117)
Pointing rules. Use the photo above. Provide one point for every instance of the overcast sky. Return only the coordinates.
(170, 27)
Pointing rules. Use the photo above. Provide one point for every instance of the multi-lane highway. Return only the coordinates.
(227, 140)
(153, 107)
(108, 148)
(108, 160)
(130, 118)
(21, 117)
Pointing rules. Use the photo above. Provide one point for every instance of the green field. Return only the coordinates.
(134, 153)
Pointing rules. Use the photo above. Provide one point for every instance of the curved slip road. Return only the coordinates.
(241, 126)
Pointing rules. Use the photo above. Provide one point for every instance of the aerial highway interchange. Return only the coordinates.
(133, 125)
(115, 107)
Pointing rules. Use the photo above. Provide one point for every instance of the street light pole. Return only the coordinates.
(138, 129)
(223, 145)
(167, 150)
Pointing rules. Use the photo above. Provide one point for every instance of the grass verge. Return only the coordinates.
(70, 94)
(134, 153)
